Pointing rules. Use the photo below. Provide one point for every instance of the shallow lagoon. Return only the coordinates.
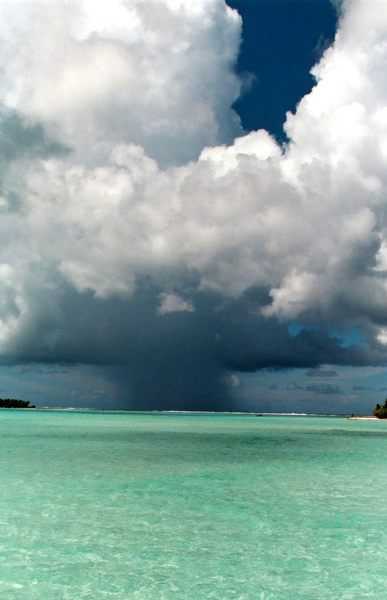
(119, 505)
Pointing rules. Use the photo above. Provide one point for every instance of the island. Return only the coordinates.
(380, 412)
(15, 403)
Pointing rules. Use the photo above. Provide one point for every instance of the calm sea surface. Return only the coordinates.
(132, 506)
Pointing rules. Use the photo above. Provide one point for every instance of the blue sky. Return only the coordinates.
(282, 40)
(190, 217)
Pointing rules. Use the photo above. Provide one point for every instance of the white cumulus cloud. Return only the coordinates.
(130, 166)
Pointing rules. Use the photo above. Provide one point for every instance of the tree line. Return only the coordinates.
(380, 411)
(14, 403)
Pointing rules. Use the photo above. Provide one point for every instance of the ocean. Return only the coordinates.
(170, 506)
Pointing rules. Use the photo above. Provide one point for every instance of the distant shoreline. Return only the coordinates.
(364, 419)
(193, 413)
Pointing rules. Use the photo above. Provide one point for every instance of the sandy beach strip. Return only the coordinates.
(364, 419)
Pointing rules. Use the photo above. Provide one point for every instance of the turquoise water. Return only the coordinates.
(105, 505)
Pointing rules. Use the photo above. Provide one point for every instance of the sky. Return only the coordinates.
(193, 204)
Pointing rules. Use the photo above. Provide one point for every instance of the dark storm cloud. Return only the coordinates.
(174, 360)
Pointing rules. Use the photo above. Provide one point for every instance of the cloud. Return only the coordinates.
(363, 388)
(292, 386)
(129, 196)
(42, 370)
(320, 373)
(323, 388)
(134, 72)
(173, 303)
